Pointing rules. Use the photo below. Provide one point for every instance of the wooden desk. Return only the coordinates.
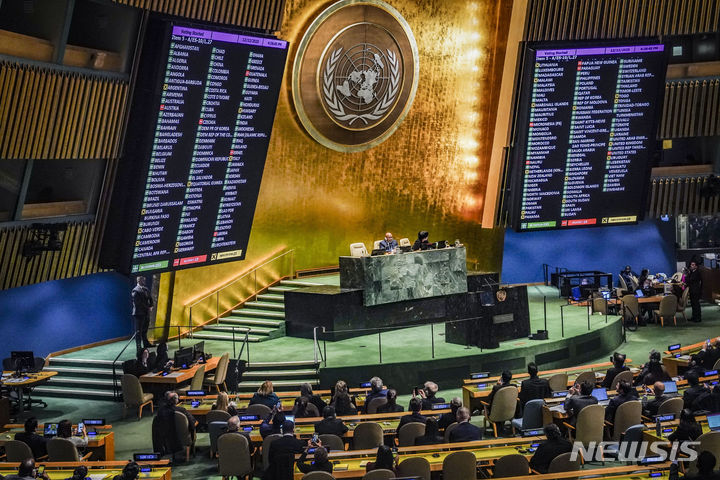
(547, 373)
(178, 376)
(673, 363)
(28, 380)
(102, 445)
(105, 470)
(610, 473)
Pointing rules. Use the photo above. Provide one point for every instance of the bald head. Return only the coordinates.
(658, 388)
(388, 236)
(27, 468)
(463, 414)
(233, 423)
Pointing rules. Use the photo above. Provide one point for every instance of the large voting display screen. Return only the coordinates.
(585, 133)
(198, 135)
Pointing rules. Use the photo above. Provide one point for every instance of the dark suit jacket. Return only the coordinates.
(574, 404)
(610, 376)
(446, 419)
(685, 433)
(691, 394)
(427, 403)
(614, 403)
(37, 444)
(282, 457)
(413, 417)
(651, 407)
(332, 426)
(547, 451)
(318, 402)
(465, 432)
(373, 395)
(534, 388)
(390, 408)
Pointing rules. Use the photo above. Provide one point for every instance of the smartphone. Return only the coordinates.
(279, 405)
(40, 470)
(314, 438)
(81, 428)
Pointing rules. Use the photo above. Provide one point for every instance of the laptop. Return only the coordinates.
(639, 293)
(606, 294)
(601, 395)
(714, 422)
(576, 294)
(50, 429)
(671, 389)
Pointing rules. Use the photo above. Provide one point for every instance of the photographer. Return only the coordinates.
(28, 471)
(319, 463)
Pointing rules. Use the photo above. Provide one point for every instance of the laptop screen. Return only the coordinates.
(606, 294)
(639, 293)
(51, 429)
(600, 394)
(670, 387)
(576, 295)
(714, 422)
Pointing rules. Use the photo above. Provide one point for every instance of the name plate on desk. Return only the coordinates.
(408, 276)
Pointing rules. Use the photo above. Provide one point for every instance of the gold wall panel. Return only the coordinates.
(677, 195)
(691, 109)
(430, 175)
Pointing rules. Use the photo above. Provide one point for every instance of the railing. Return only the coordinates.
(212, 306)
(547, 276)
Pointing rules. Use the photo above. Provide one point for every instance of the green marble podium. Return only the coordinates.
(406, 276)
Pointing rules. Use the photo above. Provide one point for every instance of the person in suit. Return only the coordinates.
(320, 461)
(130, 471)
(376, 391)
(708, 355)
(391, 406)
(143, 364)
(273, 423)
(428, 394)
(341, 400)
(534, 387)
(650, 408)
(705, 465)
(618, 361)
(27, 471)
(694, 390)
(141, 304)
(282, 452)
(579, 397)
(383, 460)
(547, 451)
(628, 275)
(422, 242)
(709, 400)
(389, 244)
(233, 428)
(432, 433)
(415, 407)
(37, 443)
(503, 382)
(652, 371)
(161, 357)
(464, 431)
(625, 393)
(447, 419)
(688, 429)
(265, 395)
(694, 283)
(307, 391)
(330, 424)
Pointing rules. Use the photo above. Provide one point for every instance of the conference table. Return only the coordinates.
(178, 375)
(158, 470)
(680, 358)
(26, 380)
(101, 444)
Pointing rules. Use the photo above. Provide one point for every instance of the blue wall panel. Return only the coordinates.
(649, 244)
(52, 316)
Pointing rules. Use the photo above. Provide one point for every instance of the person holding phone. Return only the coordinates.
(320, 460)
(28, 471)
(65, 430)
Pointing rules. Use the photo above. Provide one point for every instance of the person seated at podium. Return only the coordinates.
(428, 395)
(547, 451)
(265, 395)
(37, 443)
(579, 397)
(465, 431)
(650, 407)
(377, 391)
(389, 244)
(415, 407)
(534, 387)
(391, 406)
(330, 424)
(618, 360)
(422, 242)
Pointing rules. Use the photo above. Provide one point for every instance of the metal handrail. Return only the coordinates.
(316, 345)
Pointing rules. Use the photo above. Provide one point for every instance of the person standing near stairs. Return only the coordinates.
(142, 303)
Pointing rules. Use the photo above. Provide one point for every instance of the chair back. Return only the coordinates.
(233, 456)
(358, 250)
(589, 425)
(266, 449)
(599, 305)
(182, 429)
(449, 429)
(332, 442)
(367, 435)
(622, 282)
(404, 242)
(375, 403)
(8, 364)
(215, 429)
(39, 363)
(132, 390)
(460, 465)
(197, 381)
(504, 405)
(258, 409)
(62, 450)
(409, 432)
(683, 300)
(586, 377)
(626, 376)
(672, 405)
(710, 441)
(17, 451)
(632, 438)
(562, 463)
(318, 475)
(221, 369)
(532, 414)
(379, 474)
(627, 415)
(376, 244)
(218, 416)
(558, 382)
(717, 364)
(677, 277)
(514, 465)
(414, 467)
(668, 306)
(631, 308)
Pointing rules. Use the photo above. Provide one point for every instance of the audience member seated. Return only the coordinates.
(161, 360)
(422, 242)
(578, 398)
(534, 387)
(708, 355)
(273, 423)
(448, 418)
(432, 433)
(222, 402)
(652, 371)
(319, 463)
(503, 382)
(705, 465)
(164, 437)
(465, 431)
(65, 430)
(415, 407)
(233, 428)
(708, 401)
(376, 391)
(547, 451)
(37, 443)
(618, 360)
(282, 452)
(303, 408)
(384, 460)
(265, 395)
(688, 429)
(27, 471)
(628, 275)
(625, 393)
(330, 424)
(131, 471)
(650, 408)
(81, 473)
(429, 395)
(341, 400)
(391, 406)
(307, 391)
(143, 363)
(694, 390)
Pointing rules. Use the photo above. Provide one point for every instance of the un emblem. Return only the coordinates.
(355, 74)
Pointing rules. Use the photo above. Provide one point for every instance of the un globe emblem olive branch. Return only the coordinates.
(336, 107)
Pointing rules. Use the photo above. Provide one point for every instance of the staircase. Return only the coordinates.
(263, 317)
(80, 378)
(284, 375)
